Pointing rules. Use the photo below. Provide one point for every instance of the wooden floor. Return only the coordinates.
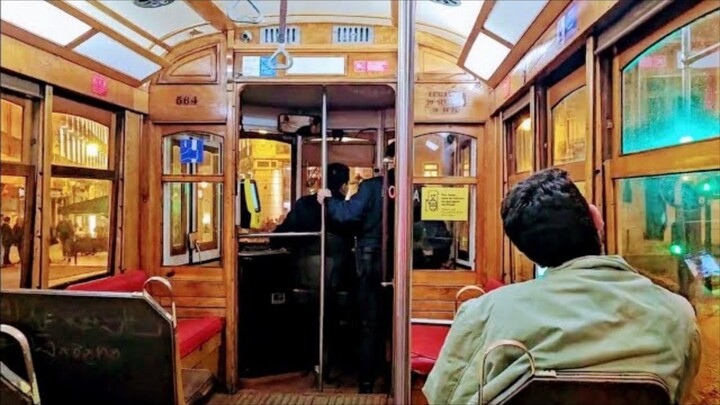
(253, 397)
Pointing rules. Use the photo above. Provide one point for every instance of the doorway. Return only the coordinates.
(288, 136)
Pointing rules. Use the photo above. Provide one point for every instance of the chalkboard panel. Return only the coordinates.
(104, 348)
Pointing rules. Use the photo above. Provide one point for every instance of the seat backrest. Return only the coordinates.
(587, 388)
(129, 281)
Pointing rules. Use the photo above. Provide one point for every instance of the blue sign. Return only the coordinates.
(267, 69)
(571, 21)
(191, 150)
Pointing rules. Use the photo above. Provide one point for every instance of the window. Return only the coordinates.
(82, 193)
(521, 144)
(11, 131)
(440, 154)
(569, 128)
(192, 199)
(12, 223)
(442, 244)
(671, 92)
(664, 220)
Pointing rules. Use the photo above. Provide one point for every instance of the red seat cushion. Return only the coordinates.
(493, 284)
(427, 341)
(130, 281)
(191, 333)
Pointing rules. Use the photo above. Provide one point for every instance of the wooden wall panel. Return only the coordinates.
(202, 66)
(451, 103)
(182, 103)
(44, 66)
(131, 192)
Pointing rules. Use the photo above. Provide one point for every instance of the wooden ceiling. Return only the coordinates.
(130, 44)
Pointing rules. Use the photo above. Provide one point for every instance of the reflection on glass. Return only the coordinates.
(442, 245)
(78, 141)
(444, 154)
(12, 223)
(671, 92)
(569, 128)
(192, 223)
(663, 218)
(79, 228)
(11, 131)
(192, 154)
(523, 268)
(268, 163)
(522, 142)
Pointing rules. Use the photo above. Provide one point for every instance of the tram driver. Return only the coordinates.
(590, 312)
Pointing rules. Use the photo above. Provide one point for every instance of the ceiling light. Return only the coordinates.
(485, 56)
(152, 3)
(92, 150)
(450, 3)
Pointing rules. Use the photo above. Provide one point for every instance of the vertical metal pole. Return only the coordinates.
(380, 142)
(685, 50)
(322, 242)
(404, 186)
(299, 168)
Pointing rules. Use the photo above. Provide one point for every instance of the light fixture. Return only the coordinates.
(449, 3)
(152, 3)
(485, 56)
(92, 150)
(526, 125)
(206, 219)
(262, 132)
(203, 184)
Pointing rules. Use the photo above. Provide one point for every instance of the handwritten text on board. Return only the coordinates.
(445, 203)
(445, 102)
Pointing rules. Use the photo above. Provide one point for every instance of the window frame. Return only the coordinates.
(171, 257)
(114, 120)
(473, 132)
(683, 158)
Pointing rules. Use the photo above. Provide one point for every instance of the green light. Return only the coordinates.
(706, 187)
(676, 249)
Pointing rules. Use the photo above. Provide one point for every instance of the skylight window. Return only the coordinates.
(485, 56)
(111, 53)
(44, 20)
(510, 19)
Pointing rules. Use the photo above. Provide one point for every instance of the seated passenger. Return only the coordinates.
(590, 312)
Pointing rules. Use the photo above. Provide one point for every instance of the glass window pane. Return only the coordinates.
(192, 223)
(12, 227)
(192, 154)
(357, 175)
(80, 142)
(522, 143)
(569, 128)
(268, 163)
(440, 244)
(444, 154)
(80, 228)
(663, 218)
(671, 92)
(11, 131)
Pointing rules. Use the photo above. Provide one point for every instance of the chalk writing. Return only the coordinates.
(445, 102)
(89, 355)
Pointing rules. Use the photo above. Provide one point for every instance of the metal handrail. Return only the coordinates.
(279, 235)
(28, 388)
(491, 348)
(165, 283)
(462, 291)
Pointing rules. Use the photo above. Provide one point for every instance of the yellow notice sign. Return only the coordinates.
(445, 203)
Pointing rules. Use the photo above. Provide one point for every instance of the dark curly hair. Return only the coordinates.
(548, 219)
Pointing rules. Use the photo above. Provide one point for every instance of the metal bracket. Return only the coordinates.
(28, 389)
(165, 283)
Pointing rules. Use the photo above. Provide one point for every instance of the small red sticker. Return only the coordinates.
(99, 85)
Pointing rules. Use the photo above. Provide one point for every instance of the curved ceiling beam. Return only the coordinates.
(212, 14)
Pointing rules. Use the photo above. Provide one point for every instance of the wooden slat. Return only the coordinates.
(82, 38)
(435, 278)
(445, 180)
(433, 314)
(195, 302)
(685, 158)
(434, 293)
(131, 192)
(93, 23)
(212, 14)
(183, 288)
(200, 312)
(433, 305)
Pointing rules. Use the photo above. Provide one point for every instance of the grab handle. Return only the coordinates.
(463, 290)
(165, 283)
(28, 388)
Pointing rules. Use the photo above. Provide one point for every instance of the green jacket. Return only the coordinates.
(594, 313)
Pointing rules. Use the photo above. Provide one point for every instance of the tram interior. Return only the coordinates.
(152, 151)
(280, 153)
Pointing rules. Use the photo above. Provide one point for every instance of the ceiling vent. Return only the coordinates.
(353, 34)
(450, 3)
(271, 35)
(152, 3)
